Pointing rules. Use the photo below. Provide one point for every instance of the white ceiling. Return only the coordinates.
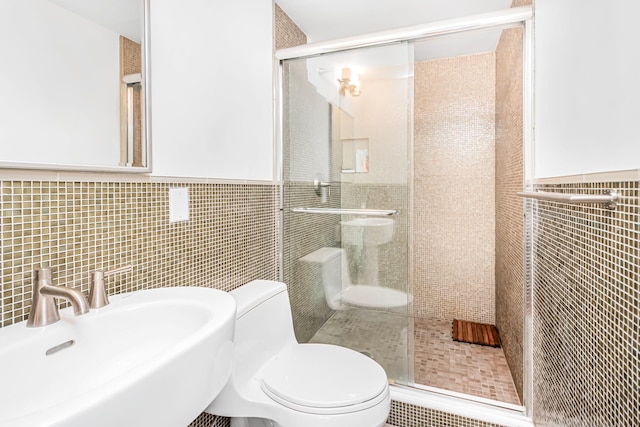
(323, 20)
(329, 19)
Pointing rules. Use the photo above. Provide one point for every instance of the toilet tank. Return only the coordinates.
(264, 325)
(330, 273)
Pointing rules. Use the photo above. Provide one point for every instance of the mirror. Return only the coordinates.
(72, 85)
(355, 155)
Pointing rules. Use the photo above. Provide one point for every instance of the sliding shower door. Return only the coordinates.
(347, 162)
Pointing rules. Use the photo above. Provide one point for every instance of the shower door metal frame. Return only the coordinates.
(518, 16)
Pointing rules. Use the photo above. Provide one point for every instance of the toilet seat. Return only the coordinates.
(324, 379)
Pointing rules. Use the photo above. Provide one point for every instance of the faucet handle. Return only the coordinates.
(44, 310)
(43, 275)
(98, 293)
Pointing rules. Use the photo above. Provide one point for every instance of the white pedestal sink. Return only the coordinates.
(367, 234)
(156, 357)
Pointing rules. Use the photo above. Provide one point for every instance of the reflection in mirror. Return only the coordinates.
(72, 84)
(355, 155)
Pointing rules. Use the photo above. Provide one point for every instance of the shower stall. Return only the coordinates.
(401, 156)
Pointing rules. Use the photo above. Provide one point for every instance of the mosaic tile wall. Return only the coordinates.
(208, 420)
(454, 201)
(304, 233)
(407, 415)
(509, 207)
(285, 32)
(77, 227)
(587, 310)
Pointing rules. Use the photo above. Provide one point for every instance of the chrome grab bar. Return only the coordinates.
(611, 198)
(338, 211)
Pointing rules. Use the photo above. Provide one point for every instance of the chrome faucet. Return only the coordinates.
(44, 310)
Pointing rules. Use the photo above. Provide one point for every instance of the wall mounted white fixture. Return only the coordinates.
(145, 359)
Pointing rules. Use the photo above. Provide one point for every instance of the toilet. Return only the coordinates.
(330, 266)
(277, 382)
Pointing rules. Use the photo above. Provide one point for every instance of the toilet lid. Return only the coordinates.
(323, 376)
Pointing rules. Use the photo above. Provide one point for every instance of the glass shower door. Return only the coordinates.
(347, 123)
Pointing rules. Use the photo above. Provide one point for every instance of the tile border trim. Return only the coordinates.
(461, 407)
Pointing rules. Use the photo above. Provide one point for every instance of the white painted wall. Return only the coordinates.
(587, 87)
(59, 88)
(211, 88)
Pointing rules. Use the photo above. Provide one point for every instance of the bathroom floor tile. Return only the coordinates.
(439, 361)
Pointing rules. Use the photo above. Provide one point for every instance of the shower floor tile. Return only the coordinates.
(465, 368)
(439, 361)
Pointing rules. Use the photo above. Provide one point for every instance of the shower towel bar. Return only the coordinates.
(610, 198)
(338, 211)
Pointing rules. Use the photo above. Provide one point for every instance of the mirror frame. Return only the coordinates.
(146, 122)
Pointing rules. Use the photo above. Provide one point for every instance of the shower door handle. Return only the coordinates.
(339, 211)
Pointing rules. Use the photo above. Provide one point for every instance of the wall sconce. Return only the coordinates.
(349, 82)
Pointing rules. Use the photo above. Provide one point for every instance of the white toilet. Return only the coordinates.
(340, 294)
(277, 382)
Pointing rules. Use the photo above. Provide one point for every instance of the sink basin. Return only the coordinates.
(156, 357)
(367, 231)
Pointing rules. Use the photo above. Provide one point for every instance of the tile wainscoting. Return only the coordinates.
(586, 309)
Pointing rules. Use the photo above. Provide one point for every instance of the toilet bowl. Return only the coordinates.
(331, 269)
(277, 382)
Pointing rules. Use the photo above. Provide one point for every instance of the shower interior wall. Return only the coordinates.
(468, 249)
(454, 262)
(454, 176)
(509, 274)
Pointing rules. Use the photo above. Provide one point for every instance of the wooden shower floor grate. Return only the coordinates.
(475, 333)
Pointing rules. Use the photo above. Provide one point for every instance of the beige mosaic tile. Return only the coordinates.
(78, 227)
(587, 309)
(407, 415)
(465, 368)
(305, 234)
(286, 33)
(454, 203)
(509, 207)
(438, 360)
(208, 420)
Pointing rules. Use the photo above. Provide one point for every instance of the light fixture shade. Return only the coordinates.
(350, 82)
